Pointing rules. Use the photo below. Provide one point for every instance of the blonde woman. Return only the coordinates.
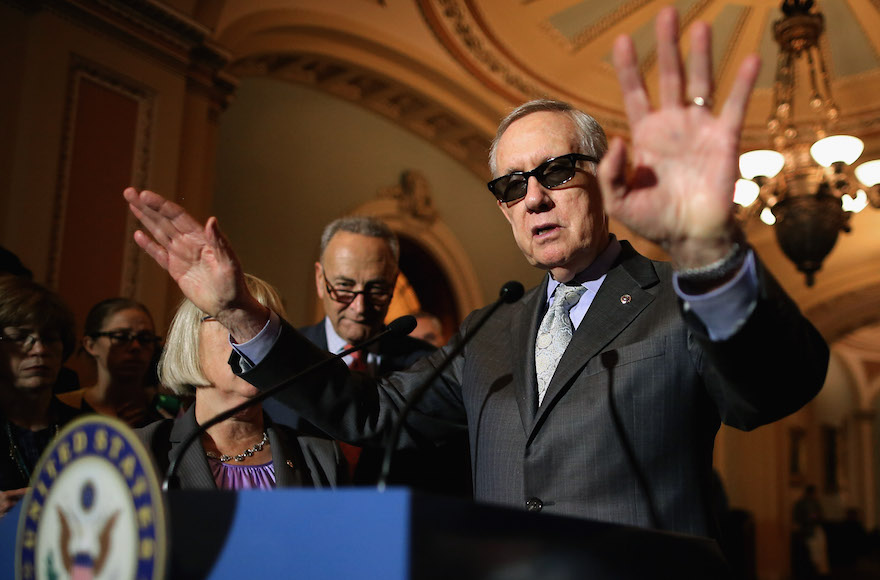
(245, 451)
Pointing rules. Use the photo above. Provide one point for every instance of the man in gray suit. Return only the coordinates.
(619, 424)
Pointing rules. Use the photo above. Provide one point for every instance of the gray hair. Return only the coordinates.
(179, 366)
(591, 136)
(365, 226)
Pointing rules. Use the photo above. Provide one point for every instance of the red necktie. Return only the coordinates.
(358, 360)
(352, 453)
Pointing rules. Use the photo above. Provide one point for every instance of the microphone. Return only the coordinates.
(510, 292)
(397, 327)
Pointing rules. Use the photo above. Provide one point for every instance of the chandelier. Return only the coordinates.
(806, 186)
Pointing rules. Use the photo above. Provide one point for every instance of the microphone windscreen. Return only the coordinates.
(403, 325)
(511, 292)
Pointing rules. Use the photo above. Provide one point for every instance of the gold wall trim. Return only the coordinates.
(81, 69)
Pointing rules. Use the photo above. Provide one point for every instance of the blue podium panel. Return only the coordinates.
(398, 535)
(314, 534)
(8, 531)
(364, 534)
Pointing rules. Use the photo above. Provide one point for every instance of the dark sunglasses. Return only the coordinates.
(551, 174)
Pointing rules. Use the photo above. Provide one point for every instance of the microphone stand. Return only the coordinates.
(510, 292)
(609, 361)
(399, 326)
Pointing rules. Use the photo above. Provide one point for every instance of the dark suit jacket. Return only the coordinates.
(398, 352)
(441, 468)
(641, 359)
(314, 462)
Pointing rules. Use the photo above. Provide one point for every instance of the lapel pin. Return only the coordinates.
(289, 463)
(626, 299)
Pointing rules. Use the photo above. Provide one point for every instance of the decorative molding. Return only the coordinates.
(433, 235)
(80, 69)
(735, 38)
(206, 75)
(457, 26)
(406, 107)
(413, 196)
(162, 33)
(846, 312)
(152, 22)
(456, 19)
(623, 11)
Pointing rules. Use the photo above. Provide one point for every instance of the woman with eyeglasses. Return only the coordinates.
(119, 336)
(246, 451)
(36, 337)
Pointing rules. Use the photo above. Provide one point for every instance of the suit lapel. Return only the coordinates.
(524, 321)
(193, 469)
(316, 333)
(289, 465)
(620, 299)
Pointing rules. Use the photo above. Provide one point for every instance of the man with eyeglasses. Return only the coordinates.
(355, 277)
(600, 392)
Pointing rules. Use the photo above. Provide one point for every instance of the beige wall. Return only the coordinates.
(292, 159)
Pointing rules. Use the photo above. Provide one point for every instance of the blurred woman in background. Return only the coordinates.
(246, 450)
(36, 337)
(120, 337)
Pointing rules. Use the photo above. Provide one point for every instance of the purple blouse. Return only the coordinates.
(231, 476)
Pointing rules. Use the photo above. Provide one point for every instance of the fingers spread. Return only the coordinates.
(612, 173)
(700, 80)
(147, 208)
(669, 66)
(168, 223)
(632, 86)
(734, 109)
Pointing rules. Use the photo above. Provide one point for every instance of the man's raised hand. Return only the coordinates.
(679, 192)
(200, 259)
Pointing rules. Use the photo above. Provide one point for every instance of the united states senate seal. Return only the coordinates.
(94, 509)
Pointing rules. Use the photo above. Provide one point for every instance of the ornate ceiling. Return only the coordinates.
(449, 69)
(562, 48)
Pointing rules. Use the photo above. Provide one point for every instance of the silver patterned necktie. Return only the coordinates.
(554, 334)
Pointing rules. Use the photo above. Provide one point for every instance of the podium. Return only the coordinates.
(402, 535)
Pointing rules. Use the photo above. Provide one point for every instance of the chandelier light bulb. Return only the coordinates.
(767, 216)
(854, 205)
(844, 148)
(762, 162)
(869, 173)
(745, 192)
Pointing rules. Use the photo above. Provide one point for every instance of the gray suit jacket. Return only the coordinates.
(440, 469)
(398, 353)
(641, 362)
(300, 461)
